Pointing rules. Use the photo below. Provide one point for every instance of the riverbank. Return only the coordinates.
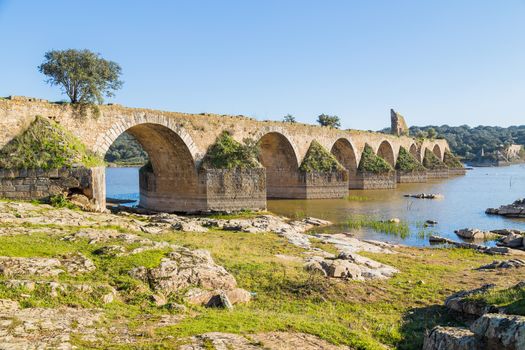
(98, 302)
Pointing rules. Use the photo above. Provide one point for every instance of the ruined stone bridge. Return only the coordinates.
(177, 142)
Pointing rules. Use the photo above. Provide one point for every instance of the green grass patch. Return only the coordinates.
(353, 198)
(511, 299)
(400, 229)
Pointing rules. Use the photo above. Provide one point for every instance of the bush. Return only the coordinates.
(431, 161)
(372, 163)
(407, 163)
(451, 160)
(319, 159)
(332, 121)
(46, 145)
(226, 153)
(61, 201)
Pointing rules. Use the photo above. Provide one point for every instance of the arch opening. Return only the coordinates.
(413, 151)
(168, 180)
(386, 152)
(344, 152)
(277, 155)
(437, 151)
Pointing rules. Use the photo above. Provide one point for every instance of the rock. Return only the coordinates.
(503, 264)
(159, 299)
(461, 302)
(262, 341)
(425, 196)
(83, 202)
(439, 239)
(339, 268)
(498, 331)
(7, 305)
(394, 221)
(184, 268)
(451, 338)
(431, 222)
(110, 250)
(516, 209)
(472, 233)
(189, 227)
(10, 266)
(513, 240)
(77, 263)
(314, 266)
(217, 298)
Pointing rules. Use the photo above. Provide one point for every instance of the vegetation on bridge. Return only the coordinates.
(407, 163)
(432, 162)
(451, 160)
(372, 163)
(318, 159)
(227, 153)
(46, 145)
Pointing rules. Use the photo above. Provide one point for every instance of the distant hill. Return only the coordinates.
(126, 151)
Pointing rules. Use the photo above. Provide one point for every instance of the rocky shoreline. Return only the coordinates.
(514, 210)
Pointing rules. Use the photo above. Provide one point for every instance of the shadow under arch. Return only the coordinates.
(414, 152)
(278, 156)
(386, 151)
(169, 182)
(437, 151)
(344, 152)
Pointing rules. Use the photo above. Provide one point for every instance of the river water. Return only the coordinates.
(465, 199)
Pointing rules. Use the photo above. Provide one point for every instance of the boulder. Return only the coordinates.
(472, 233)
(77, 263)
(11, 266)
(340, 268)
(462, 302)
(451, 338)
(184, 268)
(513, 240)
(217, 298)
(503, 264)
(504, 332)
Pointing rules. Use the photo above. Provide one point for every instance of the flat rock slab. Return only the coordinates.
(451, 338)
(266, 341)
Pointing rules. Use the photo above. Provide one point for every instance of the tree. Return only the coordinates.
(431, 133)
(329, 120)
(289, 118)
(83, 76)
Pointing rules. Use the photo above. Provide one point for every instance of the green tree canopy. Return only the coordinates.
(289, 118)
(451, 160)
(83, 76)
(332, 121)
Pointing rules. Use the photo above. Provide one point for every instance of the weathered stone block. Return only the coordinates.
(372, 181)
(411, 177)
(438, 173)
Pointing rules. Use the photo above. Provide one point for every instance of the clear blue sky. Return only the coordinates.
(436, 62)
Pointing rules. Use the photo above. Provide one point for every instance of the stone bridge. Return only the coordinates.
(177, 142)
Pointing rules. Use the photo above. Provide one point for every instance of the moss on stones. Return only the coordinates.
(46, 145)
(430, 161)
(451, 160)
(407, 163)
(372, 163)
(227, 153)
(318, 159)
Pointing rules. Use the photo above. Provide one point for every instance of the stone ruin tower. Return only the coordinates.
(398, 125)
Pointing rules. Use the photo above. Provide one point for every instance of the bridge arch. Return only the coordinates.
(279, 156)
(345, 153)
(437, 151)
(386, 151)
(414, 152)
(170, 181)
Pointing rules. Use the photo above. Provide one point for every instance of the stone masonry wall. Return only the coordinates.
(411, 177)
(371, 181)
(321, 185)
(29, 184)
(237, 189)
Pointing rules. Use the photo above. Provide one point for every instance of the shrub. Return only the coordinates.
(332, 121)
(226, 153)
(61, 201)
(451, 160)
(319, 159)
(46, 145)
(372, 163)
(431, 161)
(407, 163)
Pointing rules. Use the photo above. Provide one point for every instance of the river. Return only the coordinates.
(465, 199)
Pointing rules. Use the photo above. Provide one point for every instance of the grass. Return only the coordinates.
(511, 299)
(372, 163)
(364, 315)
(318, 159)
(400, 229)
